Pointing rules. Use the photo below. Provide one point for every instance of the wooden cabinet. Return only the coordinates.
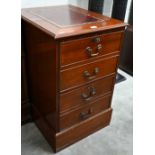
(72, 58)
(25, 102)
(126, 58)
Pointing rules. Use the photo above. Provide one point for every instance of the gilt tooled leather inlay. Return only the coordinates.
(71, 17)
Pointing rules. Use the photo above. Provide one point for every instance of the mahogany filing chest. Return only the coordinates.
(72, 56)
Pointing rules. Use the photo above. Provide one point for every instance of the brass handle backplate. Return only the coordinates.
(85, 115)
(90, 94)
(96, 40)
(89, 76)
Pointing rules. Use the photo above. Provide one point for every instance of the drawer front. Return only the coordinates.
(80, 75)
(89, 48)
(86, 94)
(85, 112)
(83, 129)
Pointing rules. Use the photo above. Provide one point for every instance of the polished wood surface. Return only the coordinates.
(72, 59)
(70, 17)
(42, 69)
(75, 76)
(84, 112)
(109, 42)
(83, 129)
(74, 98)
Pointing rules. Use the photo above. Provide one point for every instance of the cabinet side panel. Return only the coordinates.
(25, 105)
(42, 72)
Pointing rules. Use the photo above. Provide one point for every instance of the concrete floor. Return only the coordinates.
(115, 139)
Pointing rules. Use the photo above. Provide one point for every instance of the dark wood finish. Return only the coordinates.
(83, 129)
(75, 76)
(74, 99)
(57, 65)
(109, 42)
(25, 112)
(84, 112)
(46, 23)
(24, 90)
(72, 17)
(25, 101)
(126, 57)
(42, 57)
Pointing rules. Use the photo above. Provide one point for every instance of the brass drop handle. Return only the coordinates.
(91, 93)
(89, 76)
(85, 115)
(89, 51)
